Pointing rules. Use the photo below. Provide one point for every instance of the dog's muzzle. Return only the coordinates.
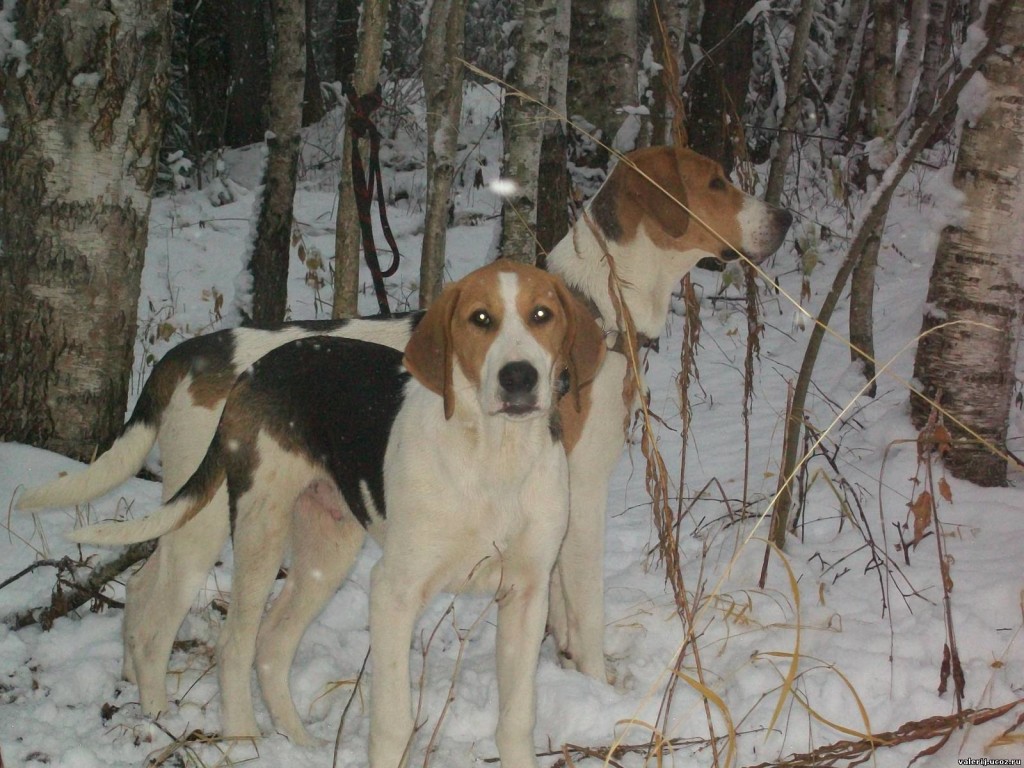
(518, 383)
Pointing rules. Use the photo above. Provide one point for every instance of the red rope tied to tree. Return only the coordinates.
(361, 126)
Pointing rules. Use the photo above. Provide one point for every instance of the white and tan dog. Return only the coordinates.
(653, 240)
(458, 470)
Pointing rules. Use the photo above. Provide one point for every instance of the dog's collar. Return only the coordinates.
(642, 341)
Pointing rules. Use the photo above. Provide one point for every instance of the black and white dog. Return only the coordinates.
(454, 462)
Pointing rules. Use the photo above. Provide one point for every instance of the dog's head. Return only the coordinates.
(690, 208)
(515, 332)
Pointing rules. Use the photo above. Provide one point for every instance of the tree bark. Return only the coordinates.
(553, 173)
(246, 119)
(719, 85)
(346, 238)
(910, 62)
(882, 101)
(603, 63)
(791, 112)
(76, 174)
(271, 248)
(936, 50)
(313, 108)
(523, 117)
(978, 277)
(443, 77)
(849, 52)
(668, 16)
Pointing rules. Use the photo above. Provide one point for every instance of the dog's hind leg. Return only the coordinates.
(159, 596)
(325, 542)
(261, 534)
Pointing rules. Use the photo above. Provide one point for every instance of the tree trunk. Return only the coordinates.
(443, 77)
(884, 109)
(76, 173)
(346, 39)
(523, 120)
(246, 119)
(346, 238)
(936, 50)
(272, 247)
(668, 31)
(910, 62)
(603, 63)
(553, 173)
(850, 52)
(719, 85)
(312, 100)
(978, 277)
(794, 76)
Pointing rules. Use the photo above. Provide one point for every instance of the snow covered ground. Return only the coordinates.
(863, 636)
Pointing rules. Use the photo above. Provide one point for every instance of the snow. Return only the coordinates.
(864, 639)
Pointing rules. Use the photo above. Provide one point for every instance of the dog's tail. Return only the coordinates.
(122, 460)
(208, 485)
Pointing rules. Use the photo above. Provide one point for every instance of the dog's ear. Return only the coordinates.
(662, 168)
(428, 355)
(583, 347)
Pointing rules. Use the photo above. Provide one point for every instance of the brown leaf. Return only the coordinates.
(921, 509)
(944, 490)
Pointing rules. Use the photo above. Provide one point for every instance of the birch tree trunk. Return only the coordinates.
(76, 173)
(883, 122)
(849, 50)
(938, 44)
(271, 249)
(553, 174)
(603, 63)
(443, 76)
(523, 121)
(668, 17)
(978, 276)
(910, 62)
(346, 238)
(791, 112)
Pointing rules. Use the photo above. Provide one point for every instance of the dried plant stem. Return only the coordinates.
(69, 596)
(850, 753)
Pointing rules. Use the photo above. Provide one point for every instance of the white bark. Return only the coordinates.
(791, 112)
(443, 76)
(523, 117)
(978, 275)
(76, 174)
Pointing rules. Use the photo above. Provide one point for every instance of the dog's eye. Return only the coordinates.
(541, 315)
(717, 183)
(481, 319)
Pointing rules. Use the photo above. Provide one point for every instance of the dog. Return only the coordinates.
(456, 463)
(660, 211)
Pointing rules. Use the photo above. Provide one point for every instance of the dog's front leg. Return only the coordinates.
(395, 602)
(579, 625)
(522, 610)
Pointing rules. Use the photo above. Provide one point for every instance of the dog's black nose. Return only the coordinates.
(517, 378)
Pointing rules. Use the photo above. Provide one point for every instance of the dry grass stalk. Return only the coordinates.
(186, 748)
(348, 705)
(854, 752)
